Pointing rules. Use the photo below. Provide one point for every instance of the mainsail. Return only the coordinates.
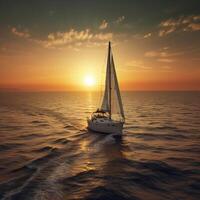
(112, 102)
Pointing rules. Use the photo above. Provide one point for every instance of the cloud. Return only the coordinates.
(76, 37)
(159, 53)
(73, 38)
(120, 19)
(70, 38)
(182, 23)
(165, 60)
(166, 31)
(147, 35)
(194, 27)
(163, 55)
(137, 65)
(23, 34)
(152, 54)
(103, 25)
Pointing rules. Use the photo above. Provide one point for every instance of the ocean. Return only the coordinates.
(47, 153)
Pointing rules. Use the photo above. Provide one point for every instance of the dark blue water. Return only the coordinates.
(46, 151)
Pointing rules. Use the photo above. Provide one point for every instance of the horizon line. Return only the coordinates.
(40, 91)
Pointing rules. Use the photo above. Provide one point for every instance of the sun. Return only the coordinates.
(89, 81)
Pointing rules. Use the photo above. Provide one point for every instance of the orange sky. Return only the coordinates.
(159, 53)
(53, 69)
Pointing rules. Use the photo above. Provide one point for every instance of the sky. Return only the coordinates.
(61, 45)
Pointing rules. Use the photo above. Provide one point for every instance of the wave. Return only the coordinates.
(61, 140)
(9, 146)
(45, 149)
(161, 136)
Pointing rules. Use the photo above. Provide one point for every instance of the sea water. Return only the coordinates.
(46, 151)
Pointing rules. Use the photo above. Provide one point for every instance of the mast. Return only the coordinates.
(109, 50)
(111, 102)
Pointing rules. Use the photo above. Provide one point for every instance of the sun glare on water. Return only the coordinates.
(89, 81)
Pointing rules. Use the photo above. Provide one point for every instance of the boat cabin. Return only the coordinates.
(100, 114)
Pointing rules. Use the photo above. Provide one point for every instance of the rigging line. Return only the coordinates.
(110, 87)
(99, 89)
(102, 81)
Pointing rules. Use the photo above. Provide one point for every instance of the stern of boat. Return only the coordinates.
(105, 125)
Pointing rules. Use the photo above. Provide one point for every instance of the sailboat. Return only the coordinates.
(109, 117)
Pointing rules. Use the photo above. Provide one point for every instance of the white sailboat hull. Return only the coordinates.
(105, 126)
